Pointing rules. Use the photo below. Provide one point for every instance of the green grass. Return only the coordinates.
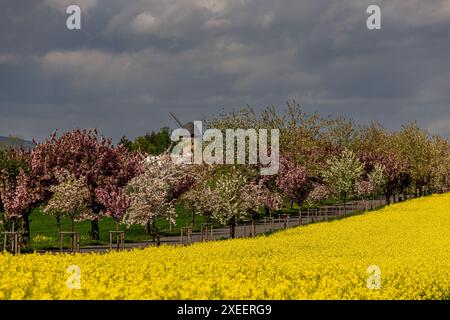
(44, 232)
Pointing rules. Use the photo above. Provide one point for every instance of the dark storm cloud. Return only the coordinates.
(134, 61)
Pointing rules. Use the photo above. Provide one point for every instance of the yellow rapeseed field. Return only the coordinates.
(409, 243)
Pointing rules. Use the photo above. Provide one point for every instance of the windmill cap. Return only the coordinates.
(189, 126)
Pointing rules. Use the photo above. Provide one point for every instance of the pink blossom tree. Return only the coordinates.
(318, 194)
(363, 189)
(103, 166)
(292, 180)
(257, 195)
(21, 192)
(396, 171)
(113, 199)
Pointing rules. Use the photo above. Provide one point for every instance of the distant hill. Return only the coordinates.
(15, 143)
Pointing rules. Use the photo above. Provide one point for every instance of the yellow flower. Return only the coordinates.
(408, 243)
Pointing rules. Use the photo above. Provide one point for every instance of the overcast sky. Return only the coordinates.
(134, 61)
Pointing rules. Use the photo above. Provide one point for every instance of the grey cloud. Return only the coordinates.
(134, 61)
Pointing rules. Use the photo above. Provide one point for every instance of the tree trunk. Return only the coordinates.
(232, 231)
(148, 228)
(72, 239)
(155, 233)
(345, 208)
(267, 211)
(95, 230)
(300, 216)
(388, 199)
(58, 223)
(26, 230)
(233, 228)
(12, 243)
(117, 235)
(193, 216)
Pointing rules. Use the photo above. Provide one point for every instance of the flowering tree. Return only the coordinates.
(318, 194)
(257, 195)
(413, 144)
(202, 198)
(114, 200)
(152, 194)
(231, 204)
(440, 168)
(230, 194)
(342, 174)
(374, 184)
(363, 190)
(70, 199)
(396, 176)
(11, 163)
(21, 190)
(292, 180)
(17, 197)
(83, 154)
(377, 178)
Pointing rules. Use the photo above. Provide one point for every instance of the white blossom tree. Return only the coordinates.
(202, 198)
(232, 194)
(70, 198)
(378, 178)
(151, 195)
(231, 205)
(342, 173)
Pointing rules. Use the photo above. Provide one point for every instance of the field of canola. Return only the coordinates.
(410, 242)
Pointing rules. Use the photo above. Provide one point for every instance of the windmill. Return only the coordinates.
(192, 129)
(175, 118)
(189, 126)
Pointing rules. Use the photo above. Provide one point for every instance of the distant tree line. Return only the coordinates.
(85, 176)
(153, 143)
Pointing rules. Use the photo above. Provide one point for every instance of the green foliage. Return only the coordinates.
(414, 145)
(153, 143)
(10, 164)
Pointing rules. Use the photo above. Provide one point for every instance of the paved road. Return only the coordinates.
(246, 230)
